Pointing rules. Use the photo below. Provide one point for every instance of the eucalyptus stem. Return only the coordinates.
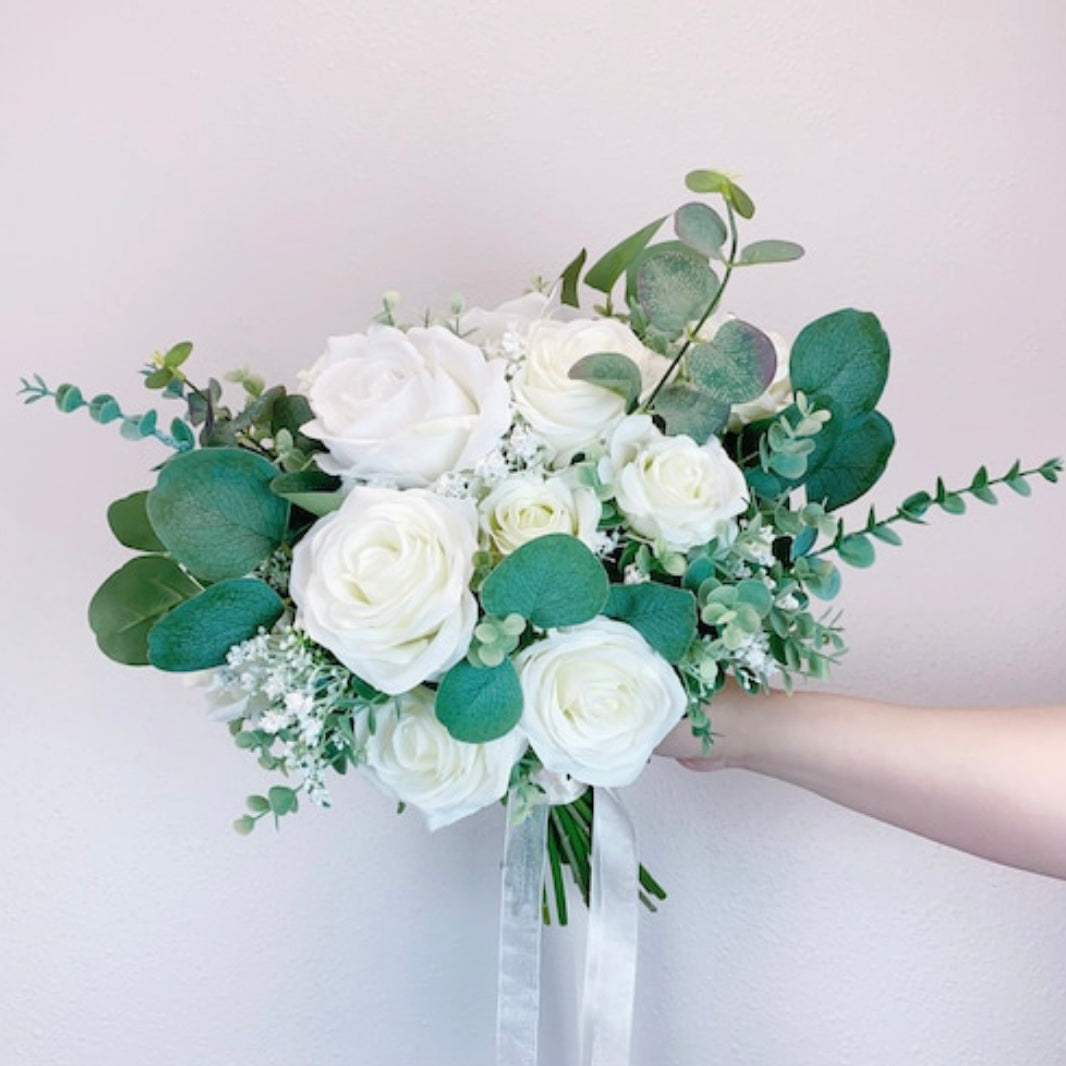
(711, 307)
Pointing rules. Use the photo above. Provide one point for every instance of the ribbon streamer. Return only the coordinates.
(611, 953)
(518, 982)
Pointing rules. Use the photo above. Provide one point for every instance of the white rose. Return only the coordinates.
(411, 756)
(597, 699)
(671, 489)
(406, 406)
(569, 415)
(525, 506)
(383, 583)
(515, 316)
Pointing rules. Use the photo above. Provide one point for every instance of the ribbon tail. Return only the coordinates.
(611, 959)
(518, 987)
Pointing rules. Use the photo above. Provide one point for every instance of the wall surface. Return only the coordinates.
(252, 175)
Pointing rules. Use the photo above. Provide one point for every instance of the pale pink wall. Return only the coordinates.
(252, 176)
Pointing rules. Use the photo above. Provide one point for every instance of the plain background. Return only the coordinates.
(251, 176)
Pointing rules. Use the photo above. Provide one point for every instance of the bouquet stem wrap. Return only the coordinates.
(611, 951)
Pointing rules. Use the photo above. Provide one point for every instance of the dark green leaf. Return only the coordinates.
(769, 252)
(197, 634)
(554, 580)
(736, 365)
(314, 490)
(697, 414)
(674, 285)
(841, 362)
(701, 228)
(477, 705)
(215, 512)
(131, 600)
(610, 370)
(128, 519)
(609, 268)
(856, 460)
(664, 616)
(182, 433)
(569, 278)
(953, 503)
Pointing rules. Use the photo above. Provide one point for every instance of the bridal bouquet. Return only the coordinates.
(506, 552)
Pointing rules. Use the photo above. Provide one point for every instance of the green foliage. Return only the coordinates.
(312, 489)
(673, 285)
(857, 459)
(769, 252)
(167, 370)
(610, 370)
(736, 365)
(198, 633)
(130, 602)
(479, 704)
(665, 616)
(701, 228)
(216, 513)
(569, 277)
(128, 519)
(494, 639)
(713, 181)
(605, 272)
(554, 580)
(104, 408)
(687, 410)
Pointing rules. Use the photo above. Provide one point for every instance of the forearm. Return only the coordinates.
(989, 781)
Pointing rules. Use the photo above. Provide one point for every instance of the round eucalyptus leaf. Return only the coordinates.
(691, 411)
(674, 285)
(769, 252)
(609, 370)
(701, 228)
(128, 519)
(214, 510)
(197, 634)
(736, 365)
(479, 704)
(554, 580)
(664, 616)
(129, 603)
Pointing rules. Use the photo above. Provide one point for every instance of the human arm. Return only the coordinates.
(991, 781)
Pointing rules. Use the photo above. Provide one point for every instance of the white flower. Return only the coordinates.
(569, 415)
(383, 583)
(407, 406)
(525, 506)
(671, 489)
(492, 328)
(411, 756)
(597, 701)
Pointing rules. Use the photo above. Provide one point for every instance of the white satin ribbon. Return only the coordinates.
(518, 981)
(611, 953)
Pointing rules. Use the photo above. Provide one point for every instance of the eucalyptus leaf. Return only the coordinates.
(314, 490)
(129, 603)
(610, 370)
(177, 355)
(478, 704)
(736, 365)
(554, 580)
(569, 277)
(693, 412)
(841, 362)
(701, 228)
(198, 633)
(664, 616)
(769, 252)
(674, 285)
(857, 550)
(854, 463)
(104, 408)
(214, 510)
(128, 519)
(603, 274)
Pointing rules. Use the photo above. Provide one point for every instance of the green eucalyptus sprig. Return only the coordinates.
(104, 408)
(857, 547)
